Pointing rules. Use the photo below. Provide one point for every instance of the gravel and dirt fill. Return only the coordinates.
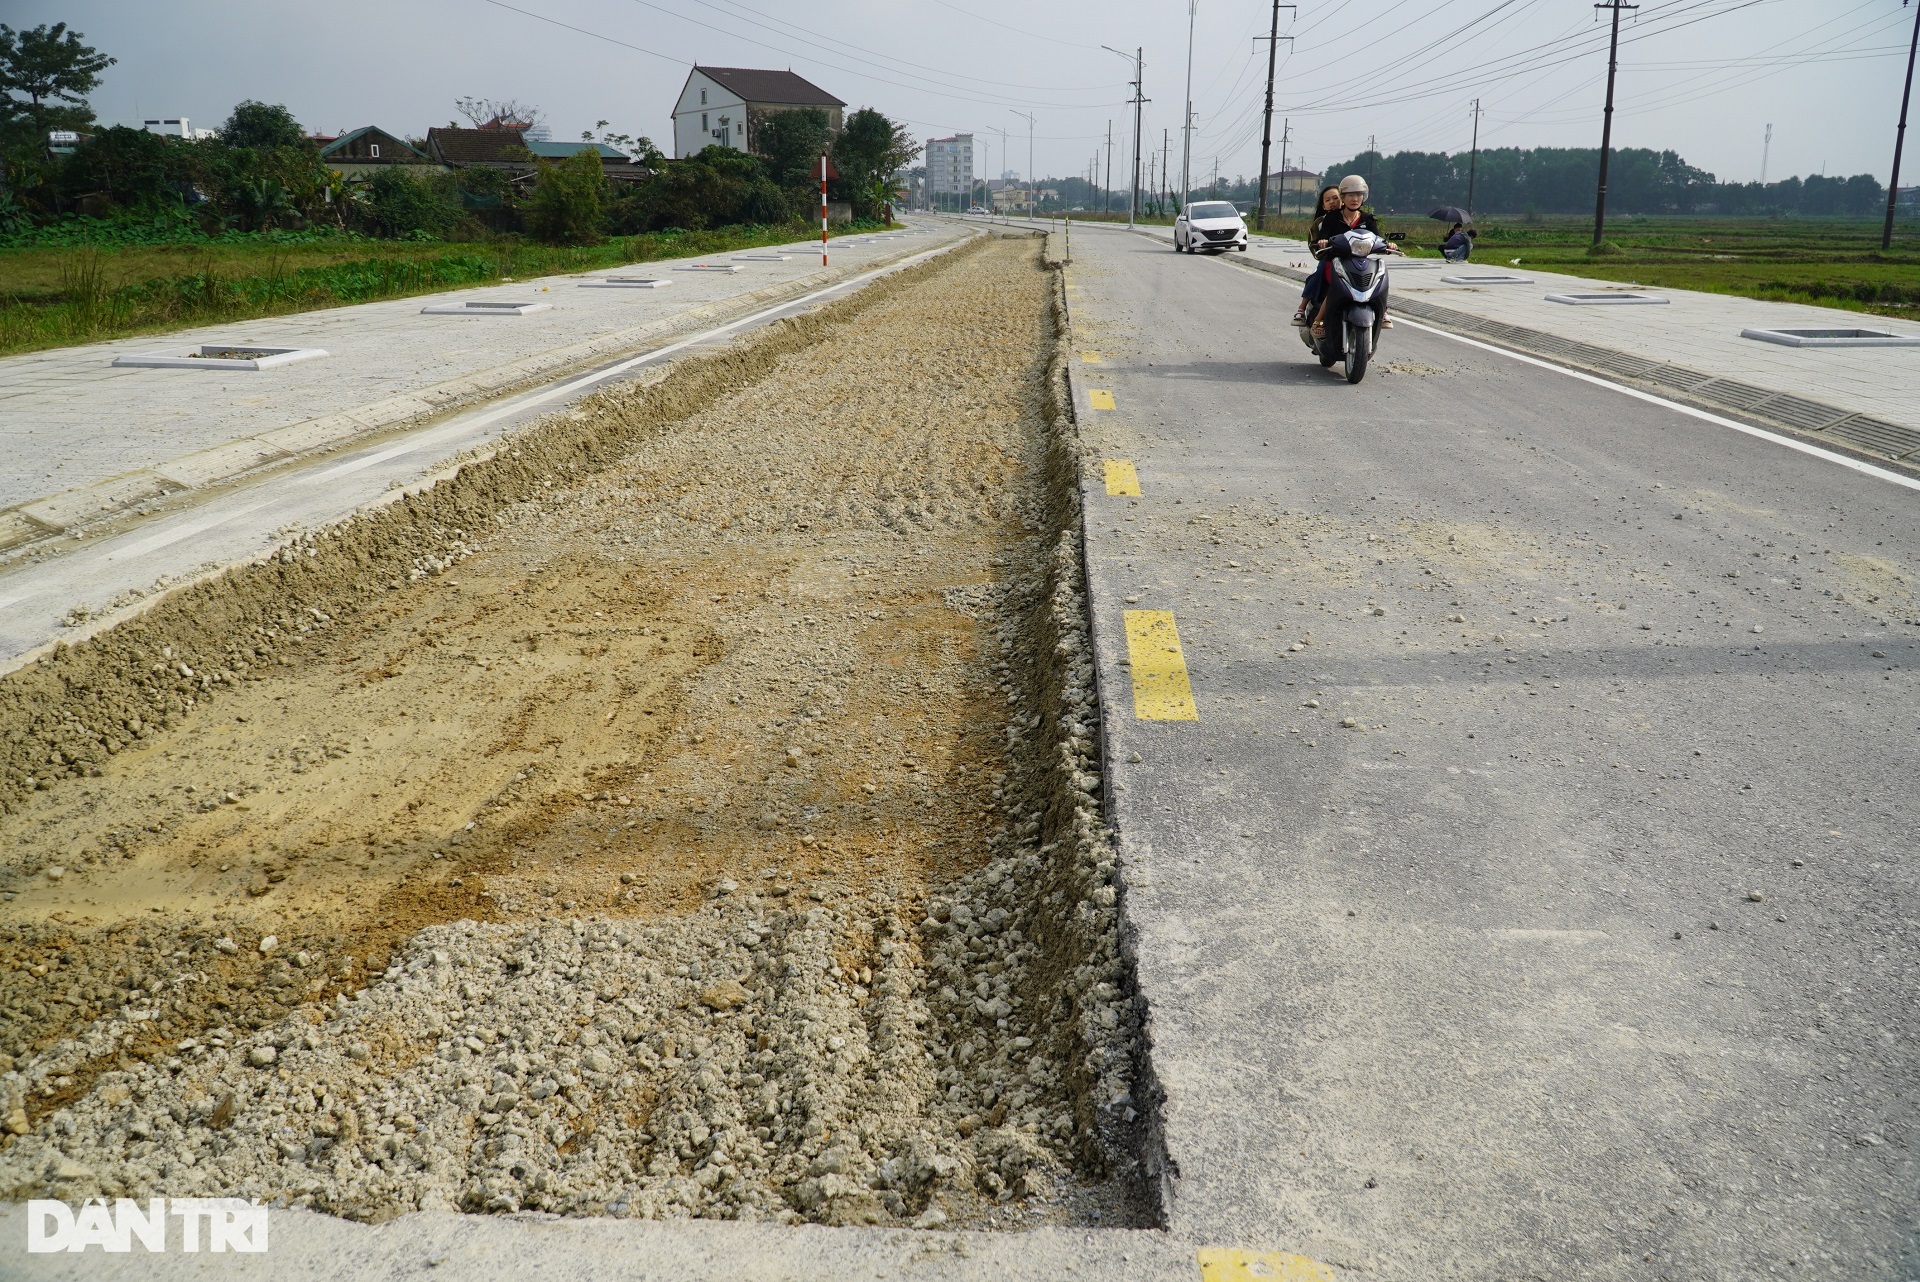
(688, 810)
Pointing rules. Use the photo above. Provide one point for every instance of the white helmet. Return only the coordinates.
(1353, 183)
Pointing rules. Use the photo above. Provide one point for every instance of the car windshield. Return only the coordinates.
(1212, 209)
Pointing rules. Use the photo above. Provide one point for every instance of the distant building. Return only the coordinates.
(507, 147)
(368, 149)
(950, 171)
(178, 126)
(725, 106)
(64, 142)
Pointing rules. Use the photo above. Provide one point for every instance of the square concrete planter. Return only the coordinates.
(710, 267)
(1616, 298)
(625, 282)
(1487, 278)
(223, 356)
(485, 309)
(1812, 337)
(763, 258)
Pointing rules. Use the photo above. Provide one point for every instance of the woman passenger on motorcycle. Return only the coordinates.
(1317, 283)
(1350, 215)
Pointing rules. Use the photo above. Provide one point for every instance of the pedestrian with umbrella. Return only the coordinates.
(1458, 246)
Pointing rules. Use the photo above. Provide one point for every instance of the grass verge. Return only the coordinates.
(63, 296)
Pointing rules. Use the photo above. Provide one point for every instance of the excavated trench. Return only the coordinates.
(690, 810)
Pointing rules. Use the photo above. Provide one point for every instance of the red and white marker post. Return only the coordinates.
(823, 209)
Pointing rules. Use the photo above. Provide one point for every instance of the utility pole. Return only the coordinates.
(1372, 150)
(1286, 128)
(1606, 129)
(1900, 135)
(1473, 165)
(1166, 175)
(1266, 128)
(1766, 151)
(1028, 117)
(1186, 121)
(1106, 188)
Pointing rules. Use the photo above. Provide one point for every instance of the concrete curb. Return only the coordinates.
(29, 523)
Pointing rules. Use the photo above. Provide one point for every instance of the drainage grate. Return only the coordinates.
(223, 356)
(1622, 363)
(1832, 337)
(1877, 435)
(1811, 415)
(625, 282)
(1492, 278)
(1741, 396)
(473, 308)
(1616, 298)
(1677, 376)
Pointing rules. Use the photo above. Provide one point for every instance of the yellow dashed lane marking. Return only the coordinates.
(1121, 477)
(1226, 1264)
(1090, 358)
(1099, 398)
(1161, 690)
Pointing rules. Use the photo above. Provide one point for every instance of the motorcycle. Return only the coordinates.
(1356, 302)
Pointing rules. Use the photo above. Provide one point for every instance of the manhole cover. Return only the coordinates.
(1489, 278)
(625, 282)
(1833, 337)
(1613, 298)
(485, 308)
(227, 356)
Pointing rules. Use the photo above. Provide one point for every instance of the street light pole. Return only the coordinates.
(1900, 135)
(1606, 129)
(1028, 117)
(1139, 98)
(1266, 128)
(1186, 121)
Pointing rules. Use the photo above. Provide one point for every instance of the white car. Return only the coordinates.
(1209, 225)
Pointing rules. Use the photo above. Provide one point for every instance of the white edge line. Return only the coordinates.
(1705, 416)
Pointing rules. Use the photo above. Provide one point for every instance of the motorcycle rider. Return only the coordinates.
(1350, 215)
(1317, 283)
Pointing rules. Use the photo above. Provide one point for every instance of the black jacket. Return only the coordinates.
(1333, 223)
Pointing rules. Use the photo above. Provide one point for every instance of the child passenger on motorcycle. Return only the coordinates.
(1317, 283)
(1353, 194)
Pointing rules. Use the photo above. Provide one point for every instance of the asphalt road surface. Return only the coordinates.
(1533, 895)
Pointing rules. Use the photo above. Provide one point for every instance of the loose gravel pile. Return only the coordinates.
(749, 969)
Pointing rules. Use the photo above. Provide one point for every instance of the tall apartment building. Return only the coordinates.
(950, 171)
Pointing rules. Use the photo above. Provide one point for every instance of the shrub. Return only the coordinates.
(400, 204)
(568, 206)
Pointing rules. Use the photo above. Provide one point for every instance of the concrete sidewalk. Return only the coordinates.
(87, 440)
(1863, 401)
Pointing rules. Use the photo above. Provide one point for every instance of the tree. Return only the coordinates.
(568, 205)
(263, 127)
(42, 68)
(868, 150)
(481, 112)
(792, 142)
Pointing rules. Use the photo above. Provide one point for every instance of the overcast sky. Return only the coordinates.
(1702, 77)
